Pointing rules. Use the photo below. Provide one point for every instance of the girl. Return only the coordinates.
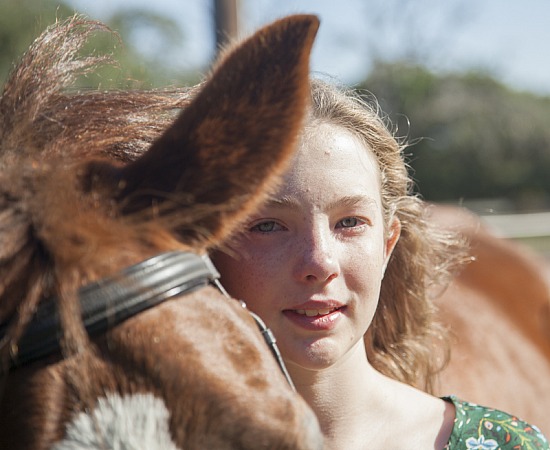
(339, 262)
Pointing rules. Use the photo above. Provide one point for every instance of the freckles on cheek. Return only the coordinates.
(252, 272)
(365, 273)
(244, 277)
(259, 281)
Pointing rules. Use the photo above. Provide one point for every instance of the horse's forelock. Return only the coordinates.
(49, 66)
(44, 130)
(52, 244)
(39, 115)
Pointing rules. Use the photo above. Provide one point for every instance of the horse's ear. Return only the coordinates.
(227, 146)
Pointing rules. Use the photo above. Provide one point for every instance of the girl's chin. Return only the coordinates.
(320, 354)
(313, 356)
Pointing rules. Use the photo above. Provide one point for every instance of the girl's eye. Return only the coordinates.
(266, 227)
(349, 222)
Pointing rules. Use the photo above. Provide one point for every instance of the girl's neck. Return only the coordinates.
(346, 397)
(358, 407)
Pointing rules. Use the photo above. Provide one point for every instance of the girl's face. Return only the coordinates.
(311, 261)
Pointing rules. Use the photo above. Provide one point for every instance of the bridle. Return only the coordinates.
(112, 300)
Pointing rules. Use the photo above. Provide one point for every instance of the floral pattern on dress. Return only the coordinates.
(480, 428)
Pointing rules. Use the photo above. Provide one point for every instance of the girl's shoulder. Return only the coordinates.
(480, 427)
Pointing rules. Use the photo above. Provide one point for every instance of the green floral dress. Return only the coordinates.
(479, 427)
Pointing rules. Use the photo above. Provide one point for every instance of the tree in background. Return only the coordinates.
(473, 137)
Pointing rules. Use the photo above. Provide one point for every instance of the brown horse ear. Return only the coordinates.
(226, 147)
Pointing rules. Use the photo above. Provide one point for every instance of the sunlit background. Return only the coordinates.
(467, 81)
(507, 39)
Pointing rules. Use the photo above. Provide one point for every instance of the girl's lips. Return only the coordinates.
(321, 318)
(317, 305)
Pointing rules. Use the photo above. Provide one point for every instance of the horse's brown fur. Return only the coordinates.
(70, 215)
(498, 313)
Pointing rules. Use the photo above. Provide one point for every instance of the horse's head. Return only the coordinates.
(194, 371)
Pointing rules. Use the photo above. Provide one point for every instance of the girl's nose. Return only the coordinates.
(317, 257)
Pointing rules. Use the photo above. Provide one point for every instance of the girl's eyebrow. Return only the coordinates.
(348, 201)
(282, 202)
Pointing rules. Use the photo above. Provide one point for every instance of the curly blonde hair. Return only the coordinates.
(404, 341)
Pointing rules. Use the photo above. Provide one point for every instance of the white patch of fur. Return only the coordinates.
(120, 423)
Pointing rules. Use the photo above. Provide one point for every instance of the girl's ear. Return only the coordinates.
(394, 232)
(227, 148)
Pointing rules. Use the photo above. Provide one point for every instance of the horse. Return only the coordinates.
(498, 312)
(114, 331)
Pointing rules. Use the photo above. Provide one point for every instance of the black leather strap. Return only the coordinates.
(110, 301)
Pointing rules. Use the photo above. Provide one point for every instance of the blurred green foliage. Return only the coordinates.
(472, 136)
(20, 22)
(23, 20)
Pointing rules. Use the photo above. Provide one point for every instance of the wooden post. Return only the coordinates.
(226, 21)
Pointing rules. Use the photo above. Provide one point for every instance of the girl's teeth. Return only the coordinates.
(313, 312)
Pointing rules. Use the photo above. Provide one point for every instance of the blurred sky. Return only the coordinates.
(509, 39)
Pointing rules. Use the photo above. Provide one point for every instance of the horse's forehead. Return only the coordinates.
(197, 317)
(207, 332)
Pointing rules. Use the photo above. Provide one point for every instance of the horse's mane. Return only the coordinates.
(40, 113)
(45, 123)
